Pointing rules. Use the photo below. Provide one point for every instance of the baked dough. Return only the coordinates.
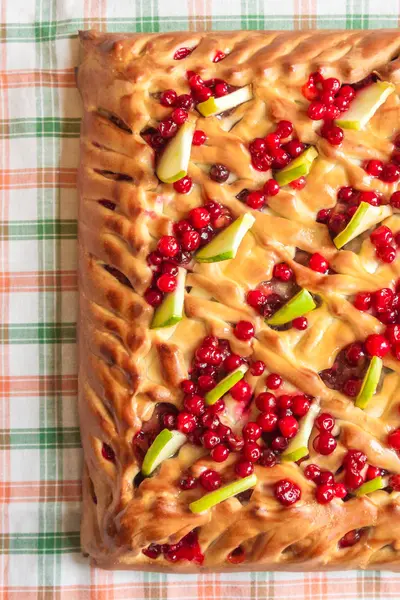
(126, 369)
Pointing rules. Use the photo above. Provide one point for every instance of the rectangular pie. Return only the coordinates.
(239, 333)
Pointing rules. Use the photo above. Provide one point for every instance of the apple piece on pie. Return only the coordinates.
(214, 106)
(301, 304)
(365, 217)
(166, 445)
(298, 446)
(370, 382)
(223, 493)
(225, 245)
(174, 161)
(225, 384)
(365, 105)
(170, 312)
(299, 167)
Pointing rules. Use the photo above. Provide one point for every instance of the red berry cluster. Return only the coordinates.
(350, 366)
(324, 443)
(348, 200)
(257, 199)
(274, 151)
(327, 488)
(385, 243)
(203, 90)
(388, 172)
(328, 100)
(202, 224)
(266, 301)
(188, 548)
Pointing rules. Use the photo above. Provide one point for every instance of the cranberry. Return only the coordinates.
(185, 101)
(355, 460)
(340, 490)
(370, 197)
(279, 443)
(251, 451)
(221, 89)
(281, 159)
(220, 453)
(377, 345)
(257, 368)
(268, 421)
(347, 91)
(219, 173)
(190, 241)
(318, 263)
(195, 81)
(255, 200)
(392, 333)
(268, 458)
(298, 184)
(186, 422)
(394, 482)
(168, 246)
(309, 90)
(206, 383)
(325, 422)
(199, 217)
(283, 272)
(355, 353)
(187, 386)
(390, 173)
(323, 215)
(284, 129)
(312, 472)
(394, 439)
(332, 112)
(153, 297)
(316, 110)
(257, 146)
(194, 404)
(287, 492)
(382, 299)
(199, 137)
(395, 200)
(251, 432)
(374, 167)
(214, 208)
(266, 402)
(387, 254)
(337, 222)
(285, 401)
(169, 420)
(351, 387)
(300, 406)
(153, 551)
(223, 431)
(372, 472)
(187, 482)
(331, 85)
(184, 185)
(244, 468)
(346, 193)
(342, 103)
(209, 420)
(261, 162)
(232, 362)
(179, 116)
(324, 443)
(107, 452)
(210, 480)
(219, 55)
(241, 391)
(202, 93)
(273, 381)
(235, 443)
(300, 323)
(169, 268)
(324, 494)
(166, 283)
(382, 236)
(326, 477)
(334, 135)
(350, 539)
(362, 301)
(353, 480)
(271, 187)
(272, 142)
(244, 330)
(168, 98)
(182, 53)
(288, 426)
(167, 129)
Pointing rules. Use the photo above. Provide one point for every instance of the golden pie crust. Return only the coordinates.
(125, 368)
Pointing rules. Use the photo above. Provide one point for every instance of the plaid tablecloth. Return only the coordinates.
(40, 456)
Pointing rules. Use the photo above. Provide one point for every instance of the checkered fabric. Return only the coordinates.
(40, 455)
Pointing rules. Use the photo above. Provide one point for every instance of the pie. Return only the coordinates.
(239, 332)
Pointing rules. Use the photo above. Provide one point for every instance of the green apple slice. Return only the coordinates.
(301, 304)
(232, 489)
(225, 384)
(365, 217)
(370, 382)
(170, 310)
(365, 105)
(225, 245)
(370, 486)
(298, 446)
(299, 167)
(215, 106)
(174, 161)
(166, 444)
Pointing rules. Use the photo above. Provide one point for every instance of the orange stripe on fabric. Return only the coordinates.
(38, 178)
(18, 79)
(34, 385)
(34, 491)
(37, 281)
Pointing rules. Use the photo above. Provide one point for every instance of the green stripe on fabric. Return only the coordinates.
(42, 229)
(45, 31)
(47, 438)
(45, 127)
(52, 542)
(38, 333)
